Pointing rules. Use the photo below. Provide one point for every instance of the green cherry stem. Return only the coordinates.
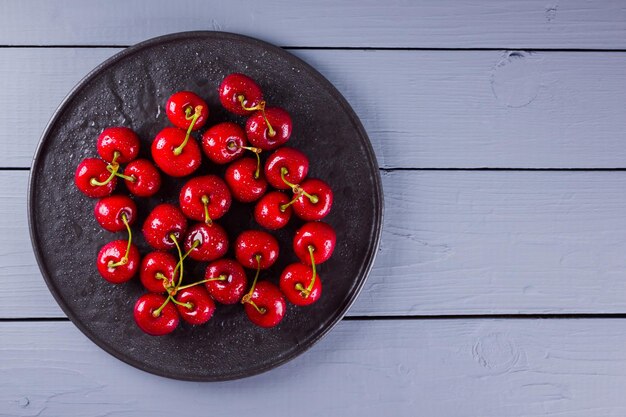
(157, 312)
(207, 218)
(220, 278)
(296, 188)
(195, 244)
(114, 171)
(248, 297)
(194, 118)
(186, 305)
(261, 107)
(112, 168)
(124, 259)
(180, 257)
(257, 152)
(297, 196)
(305, 292)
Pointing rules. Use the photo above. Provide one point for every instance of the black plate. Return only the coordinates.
(131, 89)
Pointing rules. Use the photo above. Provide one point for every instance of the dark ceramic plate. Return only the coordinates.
(131, 89)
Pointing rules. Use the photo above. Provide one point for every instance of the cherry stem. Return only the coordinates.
(284, 171)
(195, 244)
(180, 257)
(167, 282)
(307, 291)
(196, 115)
(112, 168)
(261, 310)
(124, 259)
(299, 193)
(247, 298)
(261, 107)
(157, 312)
(242, 99)
(114, 171)
(186, 305)
(256, 151)
(207, 218)
(220, 278)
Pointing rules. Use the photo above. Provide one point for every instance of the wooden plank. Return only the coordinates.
(421, 108)
(366, 23)
(456, 368)
(454, 242)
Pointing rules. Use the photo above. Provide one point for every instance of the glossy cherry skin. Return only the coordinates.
(307, 210)
(223, 142)
(113, 252)
(118, 139)
(214, 189)
(240, 179)
(235, 85)
(231, 289)
(213, 242)
(295, 277)
(97, 169)
(256, 242)
(259, 134)
(165, 323)
(177, 107)
(109, 211)
(268, 212)
(163, 221)
(202, 308)
(321, 236)
(270, 300)
(174, 165)
(157, 263)
(147, 178)
(295, 162)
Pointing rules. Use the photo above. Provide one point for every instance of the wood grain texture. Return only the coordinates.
(365, 23)
(421, 108)
(455, 368)
(454, 242)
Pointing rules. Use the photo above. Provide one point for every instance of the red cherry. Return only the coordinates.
(163, 323)
(270, 303)
(238, 92)
(316, 201)
(162, 222)
(320, 237)
(205, 198)
(227, 281)
(261, 135)
(268, 212)
(109, 212)
(294, 164)
(121, 140)
(181, 106)
(165, 148)
(240, 177)
(91, 170)
(295, 281)
(157, 264)
(206, 243)
(147, 179)
(224, 142)
(112, 253)
(200, 306)
(251, 243)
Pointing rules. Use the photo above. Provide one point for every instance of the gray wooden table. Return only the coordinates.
(500, 286)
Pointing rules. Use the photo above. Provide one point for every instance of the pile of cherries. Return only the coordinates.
(203, 200)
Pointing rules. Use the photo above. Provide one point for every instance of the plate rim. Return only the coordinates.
(366, 265)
